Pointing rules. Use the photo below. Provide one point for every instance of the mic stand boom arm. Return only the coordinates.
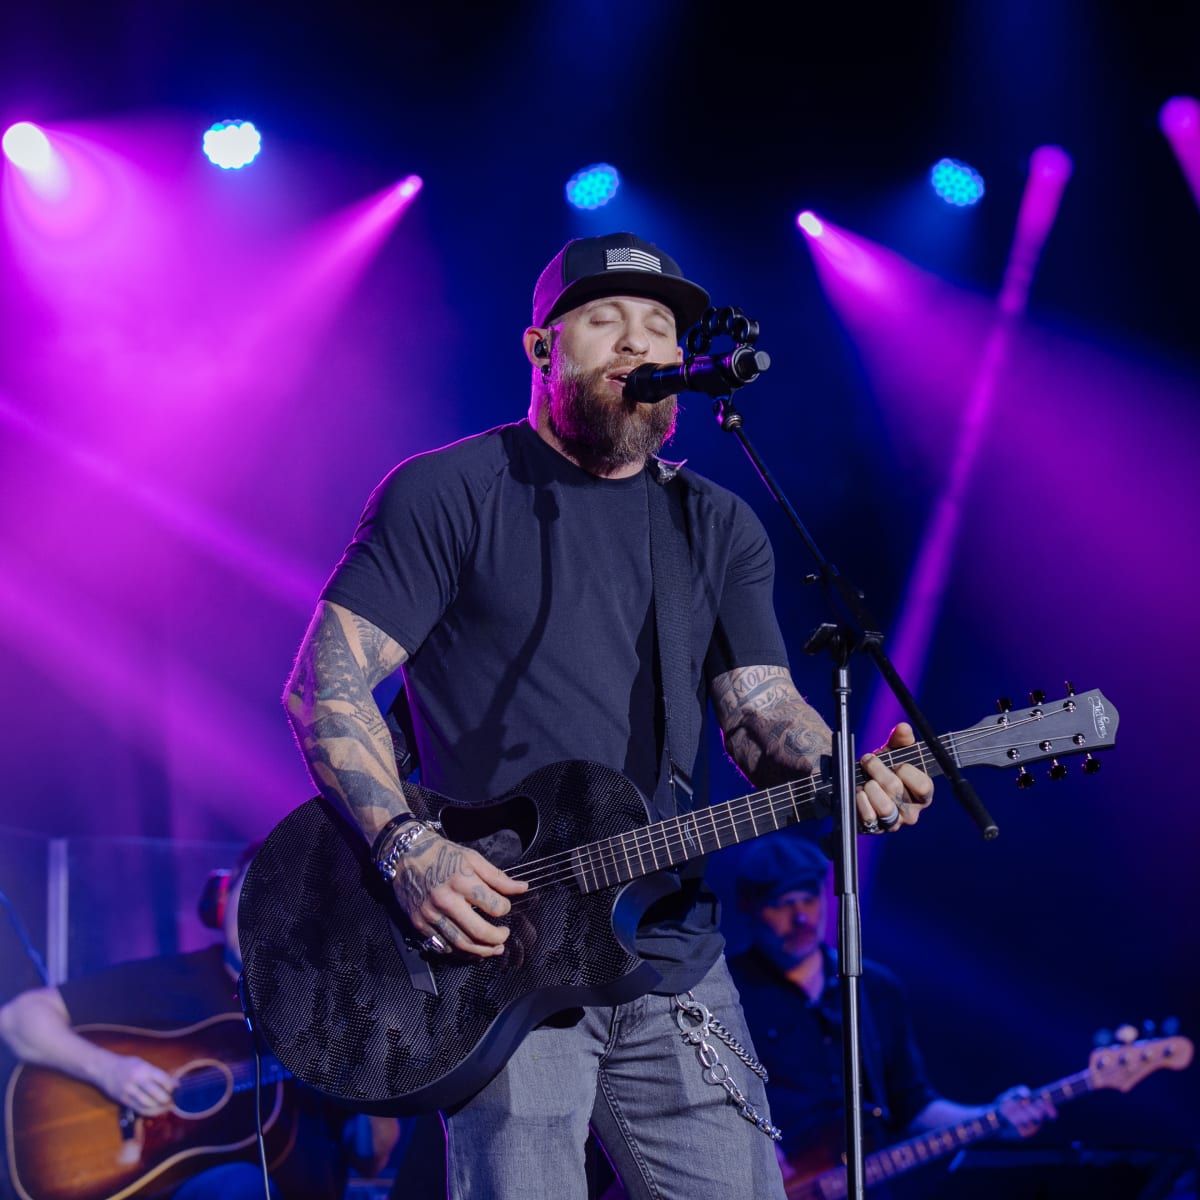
(851, 630)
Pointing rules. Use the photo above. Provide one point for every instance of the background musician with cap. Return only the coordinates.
(790, 992)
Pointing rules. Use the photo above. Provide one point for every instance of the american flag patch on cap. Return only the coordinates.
(628, 258)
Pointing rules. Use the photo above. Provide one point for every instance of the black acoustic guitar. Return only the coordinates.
(345, 1001)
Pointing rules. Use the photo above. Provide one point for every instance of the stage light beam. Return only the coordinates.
(1179, 119)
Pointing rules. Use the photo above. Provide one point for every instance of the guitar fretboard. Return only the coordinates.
(615, 860)
(904, 1156)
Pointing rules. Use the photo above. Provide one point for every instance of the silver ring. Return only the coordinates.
(870, 826)
(435, 944)
(888, 822)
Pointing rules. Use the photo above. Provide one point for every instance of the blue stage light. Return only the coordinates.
(593, 187)
(232, 144)
(956, 183)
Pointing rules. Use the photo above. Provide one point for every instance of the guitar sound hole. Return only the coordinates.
(500, 832)
(204, 1086)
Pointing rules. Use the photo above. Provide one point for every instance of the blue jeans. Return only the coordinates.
(233, 1181)
(628, 1072)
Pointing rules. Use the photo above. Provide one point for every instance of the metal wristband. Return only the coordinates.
(410, 833)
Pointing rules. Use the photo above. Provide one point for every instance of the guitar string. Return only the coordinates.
(658, 838)
(757, 804)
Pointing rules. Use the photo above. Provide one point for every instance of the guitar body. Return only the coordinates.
(66, 1140)
(347, 1004)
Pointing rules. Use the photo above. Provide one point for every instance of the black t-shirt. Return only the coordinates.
(800, 1044)
(179, 990)
(520, 586)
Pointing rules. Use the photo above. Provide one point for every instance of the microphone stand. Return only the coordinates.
(852, 630)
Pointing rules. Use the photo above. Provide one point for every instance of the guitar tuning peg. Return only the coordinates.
(1102, 1037)
(1004, 704)
(1126, 1034)
(1070, 687)
(1147, 1029)
(1037, 696)
(1024, 779)
(1057, 770)
(1090, 765)
(1170, 1026)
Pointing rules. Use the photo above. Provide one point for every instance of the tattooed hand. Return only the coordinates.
(450, 890)
(907, 788)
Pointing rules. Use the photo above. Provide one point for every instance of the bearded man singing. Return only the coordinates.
(510, 576)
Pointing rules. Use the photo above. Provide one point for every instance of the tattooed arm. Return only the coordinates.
(773, 735)
(344, 739)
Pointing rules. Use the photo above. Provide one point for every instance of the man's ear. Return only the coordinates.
(537, 346)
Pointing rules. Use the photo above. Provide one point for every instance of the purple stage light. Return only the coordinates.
(1179, 120)
(27, 147)
(1049, 170)
(810, 223)
(232, 144)
(956, 182)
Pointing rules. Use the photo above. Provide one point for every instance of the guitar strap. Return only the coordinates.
(671, 575)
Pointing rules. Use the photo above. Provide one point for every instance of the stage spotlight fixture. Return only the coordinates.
(232, 144)
(1179, 118)
(27, 147)
(810, 223)
(593, 187)
(956, 183)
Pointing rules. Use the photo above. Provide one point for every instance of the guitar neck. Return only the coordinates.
(926, 1147)
(669, 843)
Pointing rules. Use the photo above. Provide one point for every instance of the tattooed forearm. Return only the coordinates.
(771, 733)
(338, 725)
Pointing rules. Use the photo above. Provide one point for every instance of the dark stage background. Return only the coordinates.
(197, 396)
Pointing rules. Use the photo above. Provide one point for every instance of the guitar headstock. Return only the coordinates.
(1125, 1066)
(1075, 724)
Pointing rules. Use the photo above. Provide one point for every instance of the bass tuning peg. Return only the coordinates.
(1057, 770)
(1004, 704)
(1070, 687)
(1037, 696)
(1090, 765)
(1024, 779)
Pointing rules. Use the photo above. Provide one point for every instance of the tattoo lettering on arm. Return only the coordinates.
(339, 728)
(771, 733)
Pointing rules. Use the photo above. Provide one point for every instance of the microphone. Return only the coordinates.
(712, 374)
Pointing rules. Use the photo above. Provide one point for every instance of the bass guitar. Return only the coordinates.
(347, 1003)
(68, 1141)
(1122, 1067)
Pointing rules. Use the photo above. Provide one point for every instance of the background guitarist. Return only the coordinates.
(790, 992)
(510, 575)
(172, 992)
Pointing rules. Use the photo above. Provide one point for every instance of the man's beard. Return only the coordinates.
(597, 426)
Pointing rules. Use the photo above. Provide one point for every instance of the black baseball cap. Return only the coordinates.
(777, 864)
(615, 264)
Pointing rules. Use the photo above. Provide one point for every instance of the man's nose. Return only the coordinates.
(633, 341)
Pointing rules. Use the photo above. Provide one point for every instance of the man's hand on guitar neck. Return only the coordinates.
(774, 735)
(445, 888)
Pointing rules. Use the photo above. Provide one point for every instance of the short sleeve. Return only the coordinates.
(746, 633)
(401, 569)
